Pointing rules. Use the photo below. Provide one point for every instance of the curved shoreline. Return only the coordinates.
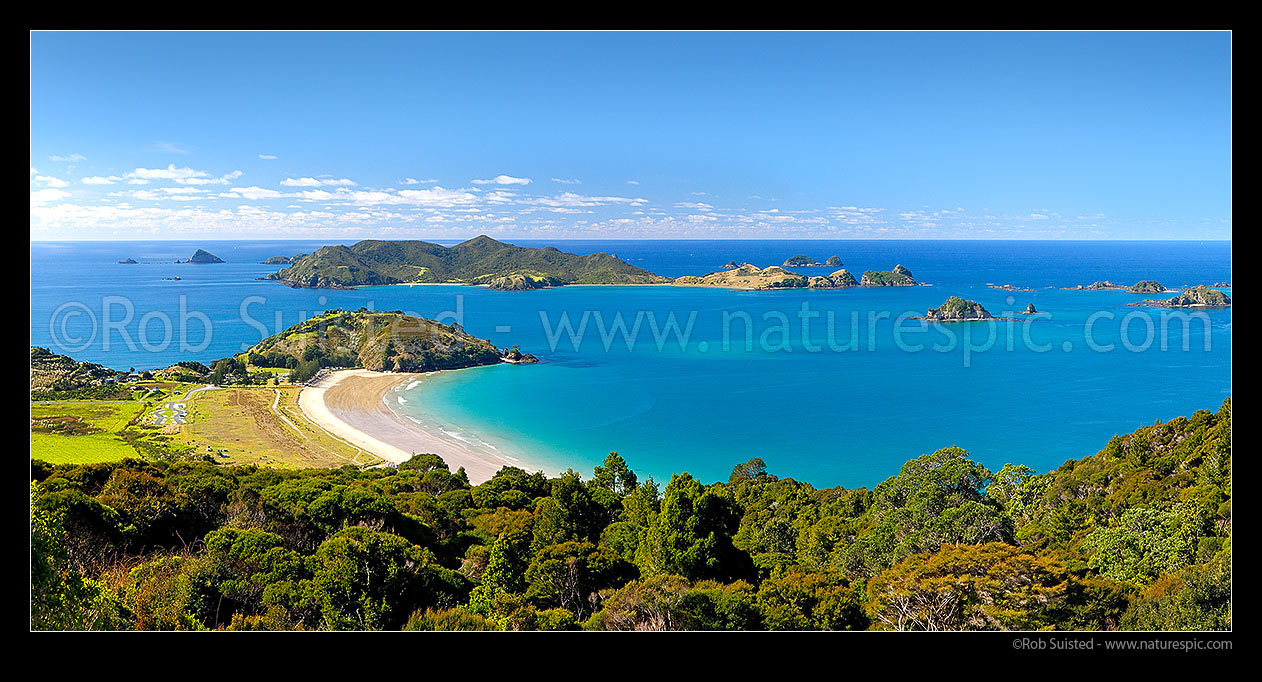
(352, 405)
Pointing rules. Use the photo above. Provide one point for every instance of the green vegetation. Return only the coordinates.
(1199, 296)
(1147, 286)
(799, 261)
(388, 341)
(81, 432)
(833, 262)
(956, 309)
(52, 375)
(771, 277)
(898, 277)
(1136, 536)
(480, 260)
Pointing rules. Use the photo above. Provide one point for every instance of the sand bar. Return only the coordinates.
(352, 405)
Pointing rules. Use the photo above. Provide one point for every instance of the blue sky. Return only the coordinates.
(654, 135)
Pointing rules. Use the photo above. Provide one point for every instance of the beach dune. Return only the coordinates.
(353, 405)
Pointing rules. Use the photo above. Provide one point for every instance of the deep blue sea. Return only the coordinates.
(826, 386)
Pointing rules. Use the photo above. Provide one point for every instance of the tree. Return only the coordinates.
(795, 599)
(1198, 597)
(936, 499)
(692, 536)
(370, 580)
(570, 576)
(653, 603)
(61, 598)
(499, 596)
(994, 586)
(1145, 543)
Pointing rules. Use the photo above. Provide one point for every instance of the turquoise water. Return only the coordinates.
(849, 415)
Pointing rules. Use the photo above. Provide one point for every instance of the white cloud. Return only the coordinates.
(503, 180)
(44, 196)
(252, 193)
(314, 182)
(436, 196)
(414, 181)
(563, 181)
(72, 158)
(176, 193)
(572, 200)
(633, 182)
(50, 181)
(184, 176)
(100, 179)
(268, 157)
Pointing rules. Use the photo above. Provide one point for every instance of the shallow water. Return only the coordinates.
(844, 415)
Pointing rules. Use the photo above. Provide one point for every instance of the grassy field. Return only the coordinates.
(80, 432)
(261, 426)
(255, 425)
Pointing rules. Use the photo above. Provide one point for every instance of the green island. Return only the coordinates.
(898, 277)
(1135, 537)
(956, 309)
(282, 260)
(800, 261)
(771, 277)
(806, 261)
(1199, 296)
(1147, 286)
(480, 260)
(385, 341)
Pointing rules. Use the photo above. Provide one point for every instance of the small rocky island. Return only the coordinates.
(956, 309)
(803, 261)
(1147, 286)
(1029, 310)
(898, 277)
(514, 356)
(1199, 296)
(771, 277)
(523, 282)
(799, 261)
(202, 256)
(127, 261)
(731, 265)
(282, 260)
(1106, 285)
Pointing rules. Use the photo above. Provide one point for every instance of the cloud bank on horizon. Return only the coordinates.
(964, 136)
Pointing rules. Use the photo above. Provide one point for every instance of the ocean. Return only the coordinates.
(830, 387)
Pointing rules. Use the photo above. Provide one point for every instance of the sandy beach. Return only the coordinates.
(351, 404)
